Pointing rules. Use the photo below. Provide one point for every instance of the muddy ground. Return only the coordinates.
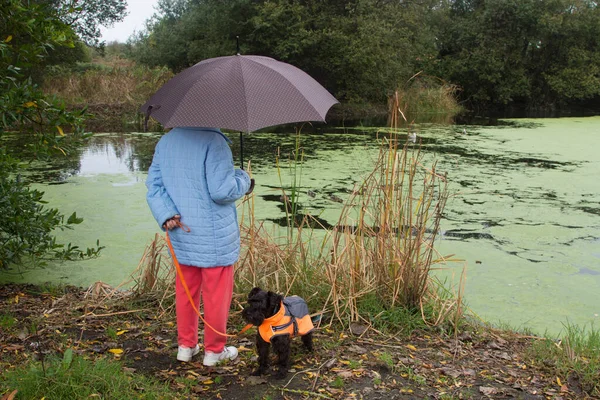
(345, 364)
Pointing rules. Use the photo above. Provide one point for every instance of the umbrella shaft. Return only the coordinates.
(242, 150)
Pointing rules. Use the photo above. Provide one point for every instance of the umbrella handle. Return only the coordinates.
(242, 150)
(146, 118)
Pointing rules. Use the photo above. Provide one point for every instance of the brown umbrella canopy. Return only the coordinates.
(242, 93)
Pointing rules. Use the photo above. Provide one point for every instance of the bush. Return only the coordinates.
(27, 225)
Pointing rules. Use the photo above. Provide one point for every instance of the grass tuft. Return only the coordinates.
(73, 377)
(575, 357)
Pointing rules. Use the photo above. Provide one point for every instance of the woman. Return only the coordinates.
(192, 183)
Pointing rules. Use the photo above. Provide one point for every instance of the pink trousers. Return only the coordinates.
(216, 286)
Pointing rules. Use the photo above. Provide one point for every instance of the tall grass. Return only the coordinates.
(112, 92)
(121, 82)
(376, 261)
(575, 357)
(425, 95)
(381, 247)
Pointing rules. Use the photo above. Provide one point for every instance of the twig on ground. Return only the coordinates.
(305, 393)
(91, 314)
(379, 344)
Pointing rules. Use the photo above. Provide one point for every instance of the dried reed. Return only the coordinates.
(129, 84)
(381, 247)
(382, 244)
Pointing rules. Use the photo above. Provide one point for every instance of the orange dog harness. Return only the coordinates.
(292, 319)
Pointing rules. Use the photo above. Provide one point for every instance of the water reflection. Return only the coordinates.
(105, 158)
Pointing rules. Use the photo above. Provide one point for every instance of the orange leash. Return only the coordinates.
(187, 290)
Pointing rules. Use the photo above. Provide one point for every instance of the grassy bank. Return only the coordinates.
(112, 90)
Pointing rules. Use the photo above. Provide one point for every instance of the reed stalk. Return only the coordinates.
(382, 245)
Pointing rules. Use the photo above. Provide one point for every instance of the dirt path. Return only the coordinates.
(474, 365)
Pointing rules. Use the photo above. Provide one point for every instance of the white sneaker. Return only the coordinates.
(228, 353)
(185, 354)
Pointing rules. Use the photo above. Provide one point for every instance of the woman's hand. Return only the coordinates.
(172, 223)
(251, 187)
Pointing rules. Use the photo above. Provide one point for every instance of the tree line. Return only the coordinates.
(501, 53)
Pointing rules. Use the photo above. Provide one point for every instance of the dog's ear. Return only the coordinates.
(254, 291)
(273, 301)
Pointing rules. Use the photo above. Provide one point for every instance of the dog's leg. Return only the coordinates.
(307, 341)
(281, 347)
(263, 356)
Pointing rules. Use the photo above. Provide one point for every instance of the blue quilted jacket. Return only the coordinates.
(192, 175)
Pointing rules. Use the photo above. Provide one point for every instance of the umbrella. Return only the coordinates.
(242, 93)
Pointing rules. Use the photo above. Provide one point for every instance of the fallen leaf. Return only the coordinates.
(451, 372)
(255, 380)
(411, 347)
(11, 395)
(358, 329)
(488, 390)
(494, 345)
(122, 332)
(357, 349)
(345, 374)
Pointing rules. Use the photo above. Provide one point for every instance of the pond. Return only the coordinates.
(524, 213)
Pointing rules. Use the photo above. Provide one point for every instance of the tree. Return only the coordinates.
(359, 50)
(86, 16)
(530, 52)
(28, 31)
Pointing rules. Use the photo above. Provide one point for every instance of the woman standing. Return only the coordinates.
(192, 183)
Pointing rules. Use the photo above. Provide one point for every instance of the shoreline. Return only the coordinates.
(476, 362)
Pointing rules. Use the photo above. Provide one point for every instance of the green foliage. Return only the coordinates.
(396, 319)
(27, 225)
(577, 356)
(537, 53)
(520, 51)
(86, 17)
(358, 50)
(73, 377)
(7, 321)
(32, 29)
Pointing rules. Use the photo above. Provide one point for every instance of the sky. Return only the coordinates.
(138, 11)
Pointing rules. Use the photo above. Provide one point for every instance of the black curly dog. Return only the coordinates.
(261, 305)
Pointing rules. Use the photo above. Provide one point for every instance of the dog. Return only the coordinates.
(277, 319)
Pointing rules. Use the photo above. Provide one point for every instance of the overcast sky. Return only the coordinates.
(138, 11)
